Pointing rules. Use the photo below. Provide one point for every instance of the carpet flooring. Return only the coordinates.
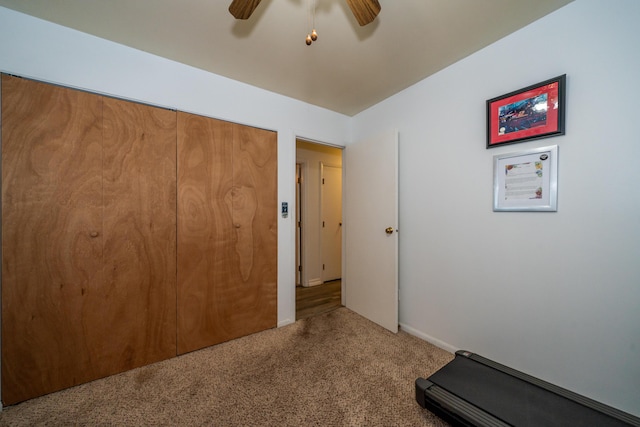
(334, 369)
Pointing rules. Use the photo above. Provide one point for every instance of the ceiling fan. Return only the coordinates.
(365, 11)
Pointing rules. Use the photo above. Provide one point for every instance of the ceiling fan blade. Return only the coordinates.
(365, 11)
(242, 9)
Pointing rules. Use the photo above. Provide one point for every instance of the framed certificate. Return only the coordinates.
(526, 180)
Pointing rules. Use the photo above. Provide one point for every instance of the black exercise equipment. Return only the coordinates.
(474, 391)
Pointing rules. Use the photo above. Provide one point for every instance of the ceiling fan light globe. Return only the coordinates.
(314, 35)
(308, 40)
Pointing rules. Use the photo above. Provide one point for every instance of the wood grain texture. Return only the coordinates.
(227, 233)
(255, 208)
(314, 300)
(89, 198)
(51, 202)
(89, 267)
(136, 323)
(365, 11)
(205, 234)
(242, 9)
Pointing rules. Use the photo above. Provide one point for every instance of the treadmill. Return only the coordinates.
(474, 391)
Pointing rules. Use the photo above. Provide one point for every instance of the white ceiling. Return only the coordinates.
(348, 69)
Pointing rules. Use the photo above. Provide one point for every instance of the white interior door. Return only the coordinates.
(371, 228)
(331, 233)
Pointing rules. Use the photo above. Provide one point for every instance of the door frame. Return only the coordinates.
(299, 217)
(303, 162)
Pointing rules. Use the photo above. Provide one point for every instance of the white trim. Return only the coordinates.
(304, 171)
(314, 282)
(438, 343)
(282, 323)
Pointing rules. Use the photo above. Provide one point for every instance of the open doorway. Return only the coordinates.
(319, 228)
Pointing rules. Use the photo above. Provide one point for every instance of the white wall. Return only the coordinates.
(33, 48)
(556, 295)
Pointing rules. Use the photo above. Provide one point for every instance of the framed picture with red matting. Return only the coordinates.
(533, 112)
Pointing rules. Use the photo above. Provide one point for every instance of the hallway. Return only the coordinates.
(318, 299)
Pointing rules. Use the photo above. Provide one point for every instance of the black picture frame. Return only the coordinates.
(533, 112)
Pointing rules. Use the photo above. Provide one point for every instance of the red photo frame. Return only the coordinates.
(533, 112)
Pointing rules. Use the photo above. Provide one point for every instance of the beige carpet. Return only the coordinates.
(335, 369)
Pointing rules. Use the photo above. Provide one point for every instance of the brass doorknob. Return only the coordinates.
(389, 230)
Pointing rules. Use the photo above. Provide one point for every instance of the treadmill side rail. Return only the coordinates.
(451, 408)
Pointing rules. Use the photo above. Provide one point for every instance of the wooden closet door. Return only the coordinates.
(136, 323)
(227, 211)
(255, 216)
(89, 237)
(51, 235)
(205, 234)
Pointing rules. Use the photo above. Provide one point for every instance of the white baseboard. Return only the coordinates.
(313, 282)
(285, 322)
(438, 343)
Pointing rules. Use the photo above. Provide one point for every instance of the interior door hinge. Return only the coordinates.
(322, 181)
(322, 224)
(323, 266)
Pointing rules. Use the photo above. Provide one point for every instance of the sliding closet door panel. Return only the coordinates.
(205, 233)
(51, 235)
(255, 208)
(139, 239)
